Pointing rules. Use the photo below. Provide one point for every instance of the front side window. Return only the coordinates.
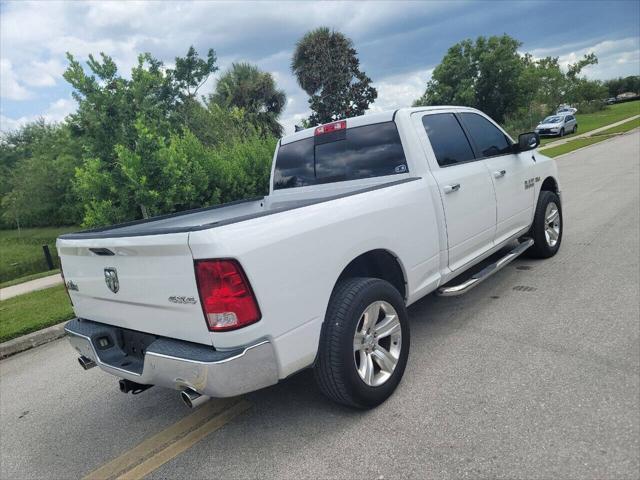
(449, 143)
(359, 152)
(488, 138)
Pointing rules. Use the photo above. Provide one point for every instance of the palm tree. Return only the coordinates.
(326, 66)
(246, 86)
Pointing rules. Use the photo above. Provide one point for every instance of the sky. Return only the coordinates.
(398, 43)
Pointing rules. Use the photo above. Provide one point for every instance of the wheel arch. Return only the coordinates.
(377, 263)
(550, 184)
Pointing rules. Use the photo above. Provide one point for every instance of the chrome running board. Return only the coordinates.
(486, 272)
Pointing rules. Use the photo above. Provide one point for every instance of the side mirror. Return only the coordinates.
(528, 141)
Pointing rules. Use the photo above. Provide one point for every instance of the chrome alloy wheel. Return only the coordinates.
(377, 343)
(552, 224)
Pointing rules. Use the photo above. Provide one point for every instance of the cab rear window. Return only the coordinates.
(359, 152)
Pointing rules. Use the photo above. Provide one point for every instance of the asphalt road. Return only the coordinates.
(534, 374)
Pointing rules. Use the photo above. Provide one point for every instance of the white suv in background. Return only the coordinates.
(559, 124)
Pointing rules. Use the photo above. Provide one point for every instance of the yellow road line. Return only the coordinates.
(162, 447)
(175, 449)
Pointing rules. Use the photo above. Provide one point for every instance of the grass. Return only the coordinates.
(33, 311)
(21, 252)
(574, 145)
(593, 138)
(622, 128)
(591, 121)
(611, 114)
(26, 278)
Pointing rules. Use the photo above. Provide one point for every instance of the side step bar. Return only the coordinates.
(486, 272)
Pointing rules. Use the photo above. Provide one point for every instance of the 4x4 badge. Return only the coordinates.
(111, 279)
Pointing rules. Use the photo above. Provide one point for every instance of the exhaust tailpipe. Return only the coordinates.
(127, 386)
(193, 399)
(85, 362)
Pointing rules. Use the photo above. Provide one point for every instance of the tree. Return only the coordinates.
(485, 74)
(38, 185)
(244, 86)
(616, 86)
(125, 124)
(109, 105)
(328, 70)
(491, 75)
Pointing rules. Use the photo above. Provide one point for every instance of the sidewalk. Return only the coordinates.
(587, 134)
(31, 286)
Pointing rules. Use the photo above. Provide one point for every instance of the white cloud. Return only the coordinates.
(616, 58)
(10, 88)
(56, 112)
(401, 90)
(36, 35)
(43, 73)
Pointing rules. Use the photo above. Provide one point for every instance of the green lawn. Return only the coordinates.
(574, 145)
(34, 311)
(611, 114)
(591, 121)
(21, 253)
(622, 128)
(26, 278)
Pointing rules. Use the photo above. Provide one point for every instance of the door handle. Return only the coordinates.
(499, 173)
(451, 188)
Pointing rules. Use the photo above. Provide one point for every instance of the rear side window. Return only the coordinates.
(360, 152)
(448, 141)
(489, 140)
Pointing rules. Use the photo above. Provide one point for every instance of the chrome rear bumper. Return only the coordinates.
(176, 364)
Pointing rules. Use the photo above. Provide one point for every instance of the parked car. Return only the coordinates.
(559, 124)
(565, 109)
(611, 100)
(364, 217)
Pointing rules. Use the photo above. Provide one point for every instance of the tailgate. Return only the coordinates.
(144, 283)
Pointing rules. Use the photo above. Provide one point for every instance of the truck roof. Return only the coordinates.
(367, 119)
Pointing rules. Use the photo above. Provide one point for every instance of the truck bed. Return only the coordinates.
(209, 217)
(177, 222)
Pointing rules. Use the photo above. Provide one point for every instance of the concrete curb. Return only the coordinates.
(32, 340)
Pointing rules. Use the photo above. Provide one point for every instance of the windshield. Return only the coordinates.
(360, 152)
(552, 119)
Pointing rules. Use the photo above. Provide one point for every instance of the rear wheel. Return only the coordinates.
(364, 343)
(546, 230)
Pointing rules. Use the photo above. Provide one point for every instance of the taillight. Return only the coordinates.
(330, 127)
(227, 300)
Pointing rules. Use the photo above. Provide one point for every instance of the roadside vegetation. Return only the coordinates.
(22, 251)
(33, 311)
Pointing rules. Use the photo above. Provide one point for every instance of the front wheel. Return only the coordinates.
(364, 343)
(546, 230)
(575, 128)
(562, 132)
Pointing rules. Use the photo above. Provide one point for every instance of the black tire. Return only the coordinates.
(541, 247)
(562, 132)
(575, 128)
(335, 370)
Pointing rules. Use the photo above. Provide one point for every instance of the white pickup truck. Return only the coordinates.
(364, 217)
